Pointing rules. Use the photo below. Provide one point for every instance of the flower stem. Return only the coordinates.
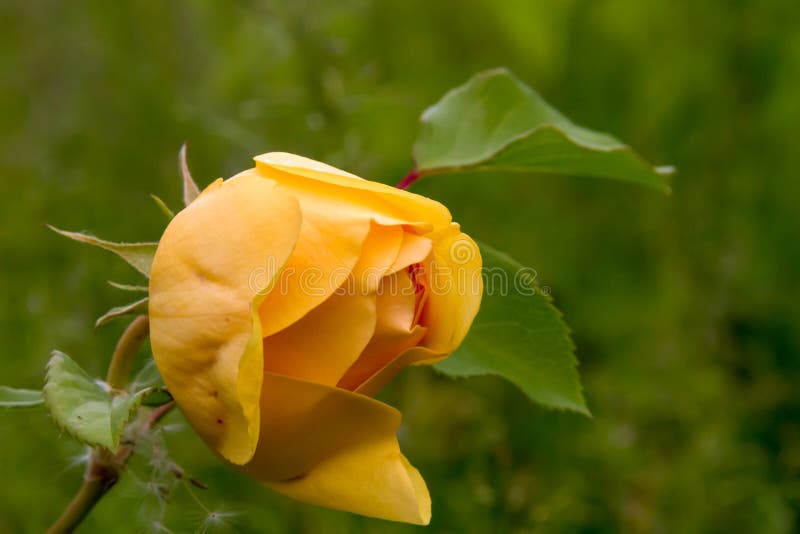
(87, 496)
(128, 345)
(409, 179)
(105, 467)
(98, 479)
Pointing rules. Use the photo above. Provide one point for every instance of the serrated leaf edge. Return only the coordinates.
(128, 287)
(138, 396)
(582, 408)
(664, 170)
(111, 246)
(567, 335)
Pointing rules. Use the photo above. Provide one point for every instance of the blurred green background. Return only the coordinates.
(685, 309)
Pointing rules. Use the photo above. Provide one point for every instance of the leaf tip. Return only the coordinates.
(582, 409)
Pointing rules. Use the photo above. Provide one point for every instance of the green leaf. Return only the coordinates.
(496, 123)
(163, 207)
(128, 287)
(85, 408)
(134, 308)
(138, 255)
(19, 398)
(519, 335)
(190, 189)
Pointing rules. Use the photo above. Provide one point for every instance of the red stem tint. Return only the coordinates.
(409, 179)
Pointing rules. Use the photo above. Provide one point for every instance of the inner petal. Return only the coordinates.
(322, 345)
(329, 246)
(395, 329)
(414, 249)
(380, 250)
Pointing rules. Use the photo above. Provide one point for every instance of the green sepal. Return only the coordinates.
(128, 287)
(190, 189)
(138, 255)
(134, 308)
(168, 213)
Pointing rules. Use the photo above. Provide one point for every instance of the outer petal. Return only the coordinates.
(205, 336)
(334, 448)
(454, 288)
(293, 171)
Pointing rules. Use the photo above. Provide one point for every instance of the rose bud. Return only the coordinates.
(283, 299)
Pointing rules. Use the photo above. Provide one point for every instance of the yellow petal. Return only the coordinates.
(394, 332)
(378, 254)
(413, 249)
(375, 480)
(321, 346)
(205, 337)
(335, 223)
(337, 449)
(331, 240)
(454, 288)
(385, 199)
(412, 356)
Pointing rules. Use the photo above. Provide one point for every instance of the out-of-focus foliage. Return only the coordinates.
(684, 308)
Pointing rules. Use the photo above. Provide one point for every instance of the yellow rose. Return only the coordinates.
(283, 299)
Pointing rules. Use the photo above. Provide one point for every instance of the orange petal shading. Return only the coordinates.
(397, 204)
(205, 337)
(337, 215)
(453, 287)
(381, 248)
(330, 244)
(330, 447)
(394, 332)
(414, 249)
(412, 356)
(322, 345)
